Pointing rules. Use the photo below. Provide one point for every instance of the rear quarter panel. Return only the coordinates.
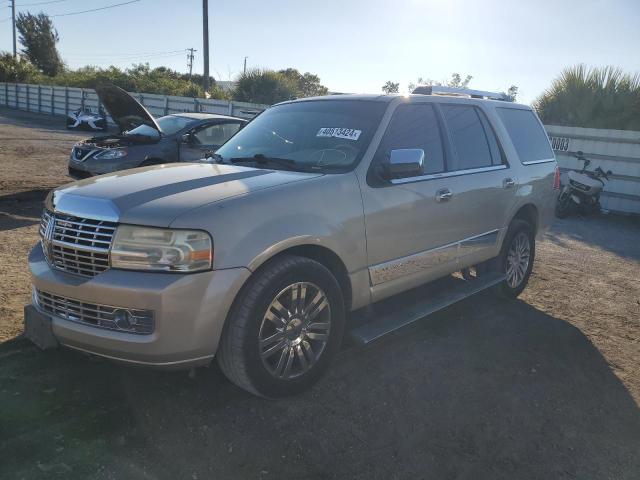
(534, 181)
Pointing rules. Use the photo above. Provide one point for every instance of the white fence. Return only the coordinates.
(615, 150)
(60, 100)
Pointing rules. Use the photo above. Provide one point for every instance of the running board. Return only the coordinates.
(373, 322)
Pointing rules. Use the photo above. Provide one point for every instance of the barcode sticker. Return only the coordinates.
(347, 133)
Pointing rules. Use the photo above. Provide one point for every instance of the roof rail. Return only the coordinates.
(465, 92)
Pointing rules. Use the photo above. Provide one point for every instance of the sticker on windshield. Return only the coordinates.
(347, 133)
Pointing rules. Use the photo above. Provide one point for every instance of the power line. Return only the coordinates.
(38, 3)
(94, 9)
(131, 54)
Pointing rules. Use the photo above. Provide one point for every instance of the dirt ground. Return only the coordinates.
(546, 386)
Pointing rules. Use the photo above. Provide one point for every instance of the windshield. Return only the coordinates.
(169, 125)
(327, 135)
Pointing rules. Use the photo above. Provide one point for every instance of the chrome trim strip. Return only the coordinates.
(403, 266)
(454, 173)
(479, 242)
(139, 362)
(534, 162)
(83, 248)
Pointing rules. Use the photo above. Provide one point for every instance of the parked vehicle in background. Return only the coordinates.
(317, 208)
(144, 141)
(582, 192)
(86, 119)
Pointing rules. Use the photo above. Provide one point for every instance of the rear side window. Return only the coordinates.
(527, 135)
(472, 138)
(414, 126)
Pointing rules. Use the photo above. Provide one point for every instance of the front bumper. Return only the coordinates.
(189, 312)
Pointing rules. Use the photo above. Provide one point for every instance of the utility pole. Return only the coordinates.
(190, 60)
(205, 42)
(13, 21)
(244, 71)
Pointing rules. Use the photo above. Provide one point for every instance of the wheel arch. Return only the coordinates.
(530, 214)
(321, 254)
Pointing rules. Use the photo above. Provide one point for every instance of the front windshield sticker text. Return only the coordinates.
(348, 133)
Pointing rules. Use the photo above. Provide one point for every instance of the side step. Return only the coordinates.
(389, 315)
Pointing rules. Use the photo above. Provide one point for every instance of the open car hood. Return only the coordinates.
(125, 110)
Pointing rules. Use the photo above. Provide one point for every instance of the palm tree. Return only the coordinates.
(595, 98)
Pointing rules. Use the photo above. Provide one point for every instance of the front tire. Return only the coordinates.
(284, 329)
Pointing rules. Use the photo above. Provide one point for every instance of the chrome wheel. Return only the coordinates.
(295, 330)
(518, 258)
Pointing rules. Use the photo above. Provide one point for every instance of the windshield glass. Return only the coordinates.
(169, 125)
(327, 135)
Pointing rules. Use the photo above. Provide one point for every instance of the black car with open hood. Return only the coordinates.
(143, 140)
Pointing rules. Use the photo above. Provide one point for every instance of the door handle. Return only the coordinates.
(443, 195)
(508, 182)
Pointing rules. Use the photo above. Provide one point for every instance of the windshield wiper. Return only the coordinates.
(261, 159)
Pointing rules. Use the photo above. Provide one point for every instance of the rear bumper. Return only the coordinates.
(189, 312)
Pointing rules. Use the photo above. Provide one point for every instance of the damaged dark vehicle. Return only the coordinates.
(143, 140)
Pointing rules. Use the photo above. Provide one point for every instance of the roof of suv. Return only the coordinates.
(387, 98)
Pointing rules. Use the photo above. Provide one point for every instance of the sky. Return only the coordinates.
(355, 45)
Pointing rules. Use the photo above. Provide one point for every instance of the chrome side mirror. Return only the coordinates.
(404, 163)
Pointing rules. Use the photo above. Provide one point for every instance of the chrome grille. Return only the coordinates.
(101, 316)
(76, 245)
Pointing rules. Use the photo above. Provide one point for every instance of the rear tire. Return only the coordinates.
(516, 258)
(284, 329)
(564, 205)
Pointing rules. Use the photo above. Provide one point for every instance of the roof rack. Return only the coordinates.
(464, 92)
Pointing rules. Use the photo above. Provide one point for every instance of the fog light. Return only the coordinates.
(123, 320)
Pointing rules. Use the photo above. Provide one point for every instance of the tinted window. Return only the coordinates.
(496, 153)
(526, 133)
(216, 134)
(470, 143)
(414, 126)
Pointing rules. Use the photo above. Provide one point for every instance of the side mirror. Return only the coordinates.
(404, 163)
(609, 172)
(186, 138)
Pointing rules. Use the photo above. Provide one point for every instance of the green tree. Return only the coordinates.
(390, 87)
(595, 98)
(456, 80)
(39, 37)
(18, 70)
(306, 84)
(264, 86)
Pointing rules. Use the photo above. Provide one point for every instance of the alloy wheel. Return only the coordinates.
(295, 330)
(518, 258)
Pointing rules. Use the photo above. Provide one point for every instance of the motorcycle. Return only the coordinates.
(582, 193)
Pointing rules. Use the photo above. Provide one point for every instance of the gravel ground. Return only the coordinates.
(546, 386)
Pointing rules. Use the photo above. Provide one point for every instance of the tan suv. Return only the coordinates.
(317, 208)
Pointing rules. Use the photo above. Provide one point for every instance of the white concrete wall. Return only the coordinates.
(615, 150)
(60, 100)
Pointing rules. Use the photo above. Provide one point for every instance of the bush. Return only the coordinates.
(593, 98)
(18, 70)
(138, 78)
(270, 86)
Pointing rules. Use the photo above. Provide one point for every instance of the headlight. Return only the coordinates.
(159, 249)
(112, 154)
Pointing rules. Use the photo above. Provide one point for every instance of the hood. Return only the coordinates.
(125, 110)
(155, 196)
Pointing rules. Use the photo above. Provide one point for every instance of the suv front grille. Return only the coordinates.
(101, 316)
(76, 245)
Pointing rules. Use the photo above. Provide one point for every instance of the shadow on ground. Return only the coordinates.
(485, 389)
(596, 230)
(21, 209)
